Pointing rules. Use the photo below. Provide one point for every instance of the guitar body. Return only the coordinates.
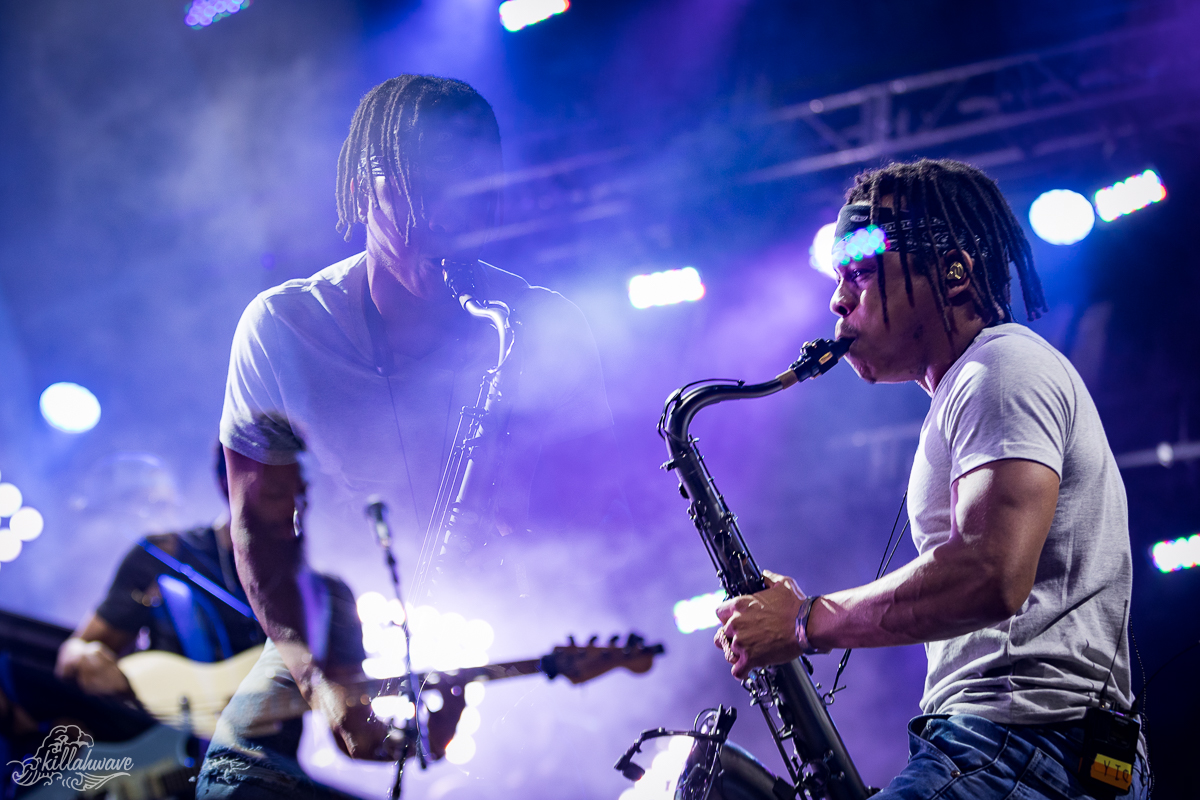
(186, 694)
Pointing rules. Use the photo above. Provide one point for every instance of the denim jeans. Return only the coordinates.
(965, 757)
(259, 769)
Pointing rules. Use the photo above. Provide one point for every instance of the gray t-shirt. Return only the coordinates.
(305, 366)
(1012, 395)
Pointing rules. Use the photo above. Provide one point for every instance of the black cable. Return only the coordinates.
(1142, 716)
(889, 551)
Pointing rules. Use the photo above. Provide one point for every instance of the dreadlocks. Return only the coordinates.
(386, 138)
(980, 224)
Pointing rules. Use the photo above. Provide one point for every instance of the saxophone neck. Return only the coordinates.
(816, 358)
(460, 280)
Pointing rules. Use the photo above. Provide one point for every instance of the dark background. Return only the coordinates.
(157, 177)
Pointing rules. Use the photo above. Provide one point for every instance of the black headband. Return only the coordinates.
(856, 236)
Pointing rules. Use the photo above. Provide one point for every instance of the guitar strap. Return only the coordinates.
(198, 580)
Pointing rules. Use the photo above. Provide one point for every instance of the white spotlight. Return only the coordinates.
(1127, 196)
(10, 545)
(820, 255)
(461, 749)
(699, 612)
(666, 288)
(517, 14)
(27, 524)
(10, 499)
(70, 407)
(1062, 216)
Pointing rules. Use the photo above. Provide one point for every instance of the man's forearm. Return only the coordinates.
(947, 592)
(269, 564)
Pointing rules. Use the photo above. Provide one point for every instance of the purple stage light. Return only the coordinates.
(1129, 195)
(666, 288)
(202, 13)
(517, 14)
(1177, 554)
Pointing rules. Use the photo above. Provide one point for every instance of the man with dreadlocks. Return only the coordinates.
(1021, 588)
(364, 367)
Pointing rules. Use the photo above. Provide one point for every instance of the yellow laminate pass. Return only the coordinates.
(1113, 772)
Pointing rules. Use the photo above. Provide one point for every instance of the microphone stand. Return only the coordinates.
(376, 511)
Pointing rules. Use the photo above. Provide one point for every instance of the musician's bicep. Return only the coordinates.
(262, 497)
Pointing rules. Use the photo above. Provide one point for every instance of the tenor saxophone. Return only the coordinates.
(819, 765)
(463, 509)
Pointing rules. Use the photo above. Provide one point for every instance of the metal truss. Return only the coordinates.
(1004, 110)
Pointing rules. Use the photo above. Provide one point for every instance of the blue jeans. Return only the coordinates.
(261, 768)
(965, 757)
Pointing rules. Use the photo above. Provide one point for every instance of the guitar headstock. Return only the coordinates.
(580, 663)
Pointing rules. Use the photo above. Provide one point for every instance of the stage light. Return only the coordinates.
(820, 254)
(10, 545)
(1177, 554)
(202, 13)
(517, 14)
(392, 708)
(439, 641)
(665, 288)
(27, 524)
(473, 693)
(10, 499)
(469, 722)
(666, 767)
(70, 407)
(1127, 196)
(1061, 216)
(699, 612)
(460, 750)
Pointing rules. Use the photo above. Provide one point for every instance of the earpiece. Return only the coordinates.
(956, 271)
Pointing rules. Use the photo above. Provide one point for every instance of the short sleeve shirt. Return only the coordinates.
(1013, 396)
(133, 601)
(304, 369)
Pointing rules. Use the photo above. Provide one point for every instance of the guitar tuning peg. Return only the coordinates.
(614, 640)
(592, 641)
(571, 641)
(634, 641)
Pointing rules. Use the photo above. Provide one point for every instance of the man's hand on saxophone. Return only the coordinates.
(760, 630)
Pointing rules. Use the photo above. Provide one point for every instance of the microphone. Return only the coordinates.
(376, 510)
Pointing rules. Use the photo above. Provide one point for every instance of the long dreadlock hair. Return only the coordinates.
(386, 137)
(980, 223)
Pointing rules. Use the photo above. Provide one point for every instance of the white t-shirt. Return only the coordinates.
(304, 369)
(1012, 395)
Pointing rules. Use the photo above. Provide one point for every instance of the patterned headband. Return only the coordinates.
(857, 237)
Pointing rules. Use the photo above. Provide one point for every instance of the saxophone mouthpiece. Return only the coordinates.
(460, 279)
(816, 358)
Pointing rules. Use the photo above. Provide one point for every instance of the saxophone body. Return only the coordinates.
(463, 511)
(819, 765)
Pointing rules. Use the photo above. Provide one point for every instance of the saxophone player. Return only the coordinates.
(364, 366)
(1021, 588)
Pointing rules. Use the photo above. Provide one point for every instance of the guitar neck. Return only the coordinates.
(489, 672)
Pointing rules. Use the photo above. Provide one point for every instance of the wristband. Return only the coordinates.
(802, 615)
